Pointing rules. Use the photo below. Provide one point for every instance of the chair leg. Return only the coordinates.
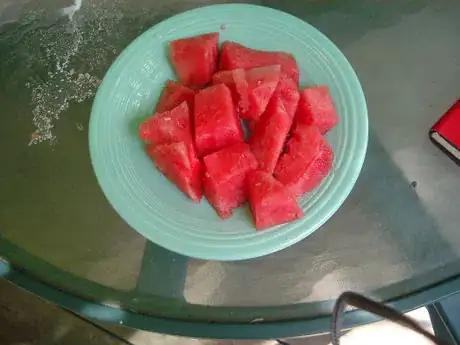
(442, 324)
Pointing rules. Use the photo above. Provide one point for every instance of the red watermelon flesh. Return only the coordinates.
(269, 135)
(224, 179)
(316, 108)
(175, 162)
(270, 201)
(226, 77)
(307, 161)
(216, 123)
(168, 127)
(174, 94)
(234, 55)
(195, 58)
(288, 92)
(236, 82)
(261, 84)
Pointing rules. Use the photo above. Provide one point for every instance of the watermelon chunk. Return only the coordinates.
(251, 90)
(224, 179)
(168, 127)
(216, 123)
(307, 161)
(288, 92)
(234, 55)
(195, 59)
(270, 201)
(316, 108)
(269, 135)
(179, 166)
(261, 83)
(174, 94)
(236, 82)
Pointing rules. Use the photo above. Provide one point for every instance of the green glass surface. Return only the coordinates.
(389, 239)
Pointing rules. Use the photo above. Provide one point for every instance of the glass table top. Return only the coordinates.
(397, 232)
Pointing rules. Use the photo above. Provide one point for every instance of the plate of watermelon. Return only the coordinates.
(223, 137)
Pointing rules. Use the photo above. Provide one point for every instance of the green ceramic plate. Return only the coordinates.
(152, 205)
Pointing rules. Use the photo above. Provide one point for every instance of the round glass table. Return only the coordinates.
(395, 239)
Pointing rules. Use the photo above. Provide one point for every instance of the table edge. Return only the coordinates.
(220, 330)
